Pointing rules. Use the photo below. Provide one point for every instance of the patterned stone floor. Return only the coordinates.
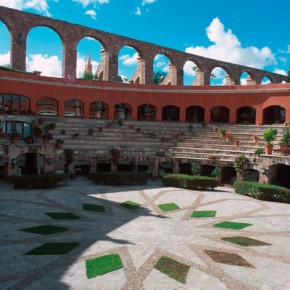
(213, 239)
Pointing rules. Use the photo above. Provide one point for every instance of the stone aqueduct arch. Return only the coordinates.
(20, 23)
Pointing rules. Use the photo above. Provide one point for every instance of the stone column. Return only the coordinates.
(155, 169)
(176, 166)
(69, 60)
(18, 49)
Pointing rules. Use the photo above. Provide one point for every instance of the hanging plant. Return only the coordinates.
(115, 154)
(239, 163)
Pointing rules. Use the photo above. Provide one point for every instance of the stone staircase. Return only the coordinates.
(139, 138)
(209, 145)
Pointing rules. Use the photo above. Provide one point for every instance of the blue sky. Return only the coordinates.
(253, 33)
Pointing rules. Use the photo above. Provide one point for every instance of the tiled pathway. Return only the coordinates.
(221, 239)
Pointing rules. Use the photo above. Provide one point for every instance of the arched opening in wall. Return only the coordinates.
(228, 175)
(145, 166)
(99, 110)
(161, 68)
(128, 65)
(123, 111)
(88, 59)
(279, 175)
(219, 77)
(220, 114)
(185, 168)
(21, 129)
(74, 109)
(194, 114)
(124, 166)
(265, 81)
(274, 114)
(104, 166)
(189, 73)
(47, 106)
(170, 113)
(5, 46)
(30, 163)
(251, 175)
(165, 167)
(246, 79)
(146, 112)
(246, 115)
(14, 104)
(82, 167)
(206, 170)
(44, 52)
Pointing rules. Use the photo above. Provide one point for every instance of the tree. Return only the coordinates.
(87, 76)
(158, 77)
(288, 76)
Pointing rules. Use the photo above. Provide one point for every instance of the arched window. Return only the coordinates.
(123, 111)
(220, 114)
(22, 129)
(47, 106)
(146, 112)
(99, 110)
(246, 115)
(170, 113)
(14, 104)
(274, 114)
(74, 108)
(194, 114)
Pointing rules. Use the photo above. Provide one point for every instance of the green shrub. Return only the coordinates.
(263, 191)
(39, 181)
(189, 181)
(119, 178)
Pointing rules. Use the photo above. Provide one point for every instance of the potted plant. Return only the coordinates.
(269, 136)
(285, 138)
(58, 143)
(222, 131)
(237, 142)
(239, 163)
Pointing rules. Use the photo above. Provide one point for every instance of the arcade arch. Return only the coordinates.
(99, 110)
(14, 104)
(189, 73)
(44, 51)
(274, 114)
(219, 77)
(161, 68)
(194, 114)
(146, 112)
(123, 111)
(74, 108)
(170, 113)
(220, 114)
(47, 106)
(246, 115)
(5, 45)
(88, 56)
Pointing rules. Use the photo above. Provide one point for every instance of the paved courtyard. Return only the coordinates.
(160, 238)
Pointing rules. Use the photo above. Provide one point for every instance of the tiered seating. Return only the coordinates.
(209, 145)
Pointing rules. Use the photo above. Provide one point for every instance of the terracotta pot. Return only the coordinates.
(237, 142)
(14, 140)
(268, 149)
(45, 140)
(58, 145)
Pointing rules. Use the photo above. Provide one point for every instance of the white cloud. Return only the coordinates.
(228, 48)
(189, 68)
(48, 65)
(92, 13)
(5, 58)
(138, 11)
(144, 2)
(40, 6)
(86, 3)
(280, 71)
(129, 60)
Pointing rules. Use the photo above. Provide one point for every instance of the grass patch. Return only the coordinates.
(232, 225)
(168, 206)
(45, 230)
(94, 207)
(103, 265)
(201, 214)
(130, 204)
(53, 249)
(172, 268)
(62, 215)
(244, 241)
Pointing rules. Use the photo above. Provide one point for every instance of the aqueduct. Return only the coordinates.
(20, 24)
